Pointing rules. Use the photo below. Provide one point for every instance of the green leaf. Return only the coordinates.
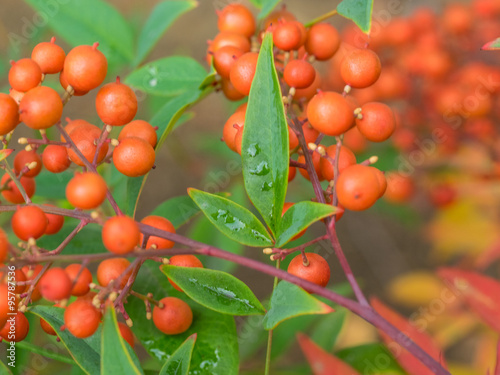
(52, 185)
(87, 241)
(327, 330)
(216, 349)
(257, 3)
(267, 7)
(365, 358)
(4, 370)
(299, 217)
(160, 19)
(165, 120)
(359, 11)
(85, 352)
(44, 352)
(178, 363)
(230, 218)
(86, 22)
(117, 357)
(216, 290)
(493, 45)
(264, 153)
(283, 307)
(179, 210)
(169, 76)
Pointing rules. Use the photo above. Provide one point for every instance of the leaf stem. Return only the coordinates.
(270, 334)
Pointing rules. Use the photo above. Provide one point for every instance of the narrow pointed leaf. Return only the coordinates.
(216, 349)
(359, 11)
(216, 290)
(321, 362)
(170, 76)
(85, 352)
(86, 22)
(264, 147)
(299, 217)
(267, 7)
(493, 45)
(179, 361)
(117, 356)
(411, 364)
(479, 292)
(235, 221)
(283, 306)
(160, 19)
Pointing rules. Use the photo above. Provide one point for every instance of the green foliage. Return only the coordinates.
(264, 150)
(369, 357)
(179, 210)
(178, 363)
(216, 290)
(359, 11)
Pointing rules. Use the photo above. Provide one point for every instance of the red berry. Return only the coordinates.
(126, 333)
(230, 91)
(82, 319)
(175, 317)
(224, 59)
(81, 285)
(85, 67)
(49, 56)
(24, 75)
(111, 269)
(360, 68)
(85, 136)
(120, 234)
(55, 284)
(134, 157)
(229, 131)
(316, 158)
(243, 71)
(47, 328)
(317, 271)
(358, 187)
(139, 129)
(25, 158)
(377, 123)
(299, 74)
(4, 246)
(54, 222)
(230, 39)
(9, 114)
(159, 223)
(41, 108)
(16, 329)
(55, 158)
(287, 36)
(184, 261)
(322, 41)
(346, 158)
(400, 188)
(5, 308)
(12, 193)
(116, 103)
(29, 222)
(64, 84)
(330, 113)
(86, 190)
(236, 18)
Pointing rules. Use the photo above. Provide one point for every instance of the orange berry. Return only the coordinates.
(47, 328)
(287, 36)
(19, 276)
(86, 137)
(330, 113)
(139, 129)
(230, 39)
(111, 269)
(16, 329)
(184, 261)
(55, 158)
(229, 131)
(358, 187)
(308, 92)
(9, 114)
(224, 59)
(230, 91)
(54, 223)
(85, 67)
(5, 308)
(49, 56)
(12, 193)
(24, 75)
(316, 163)
(82, 319)
(134, 157)
(55, 284)
(120, 234)
(236, 18)
(360, 68)
(317, 271)
(64, 84)
(243, 71)
(81, 285)
(24, 158)
(29, 222)
(322, 41)
(292, 172)
(299, 74)
(159, 223)
(116, 103)
(175, 317)
(126, 333)
(4, 246)
(346, 159)
(378, 121)
(400, 188)
(86, 190)
(41, 108)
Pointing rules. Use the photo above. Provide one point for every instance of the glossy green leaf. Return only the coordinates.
(368, 359)
(170, 76)
(264, 147)
(283, 307)
(85, 352)
(178, 363)
(267, 7)
(160, 19)
(216, 290)
(216, 349)
(233, 220)
(359, 11)
(326, 332)
(493, 45)
(117, 356)
(165, 119)
(179, 210)
(31, 348)
(86, 22)
(299, 217)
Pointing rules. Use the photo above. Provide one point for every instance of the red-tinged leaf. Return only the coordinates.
(493, 45)
(479, 292)
(4, 153)
(321, 362)
(408, 362)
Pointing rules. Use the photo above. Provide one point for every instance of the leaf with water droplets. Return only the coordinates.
(288, 301)
(233, 220)
(216, 290)
(299, 217)
(264, 150)
(178, 363)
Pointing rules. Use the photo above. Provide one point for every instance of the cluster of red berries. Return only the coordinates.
(299, 50)
(446, 93)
